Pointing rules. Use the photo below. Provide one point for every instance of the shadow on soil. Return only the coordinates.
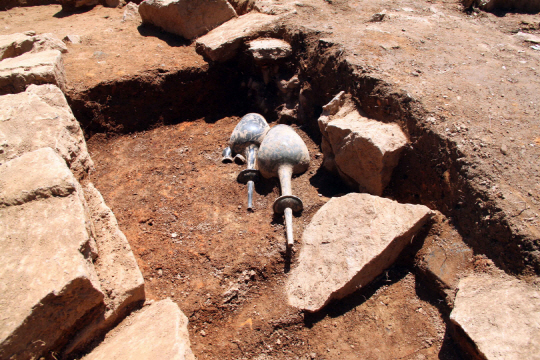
(338, 308)
(65, 13)
(171, 39)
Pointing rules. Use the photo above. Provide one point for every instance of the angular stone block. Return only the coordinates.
(269, 50)
(41, 117)
(14, 45)
(222, 43)
(48, 41)
(501, 315)
(444, 258)
(156, 332)
(45, 67)
(343, 251)
(187, 18)
(118, 272)
(38, 174)
(47, 281)
(364, 152)
(131, 13)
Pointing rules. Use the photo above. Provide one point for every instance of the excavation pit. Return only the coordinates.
(185, 216)
(156, 125)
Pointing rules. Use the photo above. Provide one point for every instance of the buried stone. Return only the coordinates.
(500, 315)
(350, 241)
(362, 151)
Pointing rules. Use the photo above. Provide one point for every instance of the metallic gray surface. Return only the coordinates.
(244, 142)
(226, 155)
(283, 153)
(250, 130)
(282, 146)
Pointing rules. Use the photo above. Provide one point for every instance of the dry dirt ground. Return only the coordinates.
(185, 215)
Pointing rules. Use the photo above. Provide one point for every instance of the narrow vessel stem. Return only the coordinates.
(285, 175)
(250, 195)
(288, 225)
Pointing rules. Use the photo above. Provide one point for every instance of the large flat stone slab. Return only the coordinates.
(157, 332)
(222, 43)
(501, 315)
(363, 151)
(187, 18)
(45, 67)
(41, 117)
(47, 281)
(344, 250)
(117, 269)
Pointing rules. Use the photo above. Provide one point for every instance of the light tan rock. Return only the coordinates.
(222, 43)
(48, 41)
(501, 315)
(47, 281)
(158, 331)
(44, 67)
(535, 39)
(118, 272)
(41, 117)
(187, 18)
(344, 250)
(131, 13)
(38, 174)
(363, 151)
(75, 39)
(269, 50)
(14, 45)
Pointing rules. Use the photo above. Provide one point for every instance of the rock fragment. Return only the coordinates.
(187, 18)
(131, 13)
(222, 43)
(378, 17)
(269, 50)
(156, 332)
(38, 174)
(44, 67)
(41, 117)
(444, 258)
(74, 39)
(362, 151)
(535, 39)
(14, 45)
(48, 41)
(343, 251)
(118, 272)
(45, 260)
(500, 314)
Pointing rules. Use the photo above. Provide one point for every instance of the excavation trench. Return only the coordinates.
(156, 140)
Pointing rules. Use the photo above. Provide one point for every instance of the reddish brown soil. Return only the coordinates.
(185, 216)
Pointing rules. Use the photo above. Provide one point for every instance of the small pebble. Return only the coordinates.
(504, 149)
